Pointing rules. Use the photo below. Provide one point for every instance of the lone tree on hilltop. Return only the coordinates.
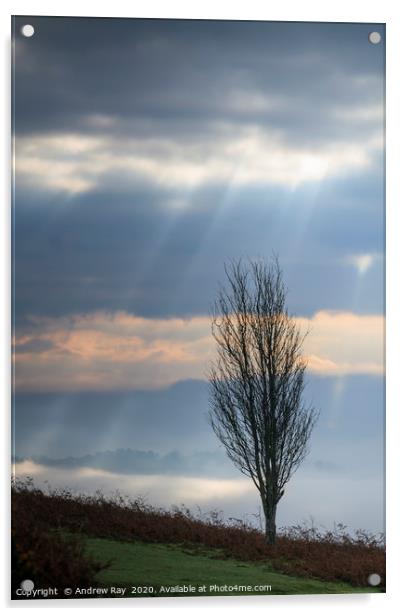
(257, 381)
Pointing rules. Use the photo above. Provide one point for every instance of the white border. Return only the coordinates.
(286, 10)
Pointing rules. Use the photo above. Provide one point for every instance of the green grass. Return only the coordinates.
(149, 567)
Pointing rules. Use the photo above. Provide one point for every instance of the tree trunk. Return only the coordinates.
(270, 524)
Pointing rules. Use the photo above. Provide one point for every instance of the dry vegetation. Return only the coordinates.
(40, 551)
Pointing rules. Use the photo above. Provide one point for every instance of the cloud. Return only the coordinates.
(158, 252)
(121, 351)
(362, 262)
(354, 501)
(235, 103)
(157, 488)
(345, 343)
(57, 162)
(113, 351)
(129, 461)
(250, 155)
(239, 138)
(197, 71)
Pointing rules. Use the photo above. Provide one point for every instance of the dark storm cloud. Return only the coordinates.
(127, 251)
(120, 245)
(179, 78)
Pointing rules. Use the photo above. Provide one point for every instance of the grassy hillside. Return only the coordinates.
(166, 570)
(68, 540)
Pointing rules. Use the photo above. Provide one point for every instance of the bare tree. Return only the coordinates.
(257, 381)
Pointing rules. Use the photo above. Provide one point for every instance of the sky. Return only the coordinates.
(147, 154)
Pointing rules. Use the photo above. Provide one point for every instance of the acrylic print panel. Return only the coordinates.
(198, 273)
